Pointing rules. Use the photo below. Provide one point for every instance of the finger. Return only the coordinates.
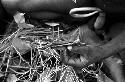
(100, 21)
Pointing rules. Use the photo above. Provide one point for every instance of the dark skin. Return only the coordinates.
(51, 9)
(94, 53)
(97, 53)
(113, 64)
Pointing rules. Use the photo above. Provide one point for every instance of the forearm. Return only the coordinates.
(115, 45)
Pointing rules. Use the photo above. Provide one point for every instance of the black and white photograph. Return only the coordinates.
(62, 40)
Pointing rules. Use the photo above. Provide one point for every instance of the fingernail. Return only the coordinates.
(69, 48)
